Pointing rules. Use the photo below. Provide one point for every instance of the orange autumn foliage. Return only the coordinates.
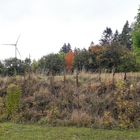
(69, 58)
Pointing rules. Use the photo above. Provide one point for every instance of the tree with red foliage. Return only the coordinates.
(69, 58)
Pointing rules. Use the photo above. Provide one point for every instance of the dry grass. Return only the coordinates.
(81, 118)
(88, 78)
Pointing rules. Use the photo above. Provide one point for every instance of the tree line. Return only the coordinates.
(116, 51)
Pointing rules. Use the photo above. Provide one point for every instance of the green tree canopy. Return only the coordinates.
(52, 63)
(65, 48)
(136, 37)
(106, 37)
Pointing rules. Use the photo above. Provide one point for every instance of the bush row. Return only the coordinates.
(97, 104)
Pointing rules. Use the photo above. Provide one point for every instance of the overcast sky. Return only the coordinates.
(45, 25)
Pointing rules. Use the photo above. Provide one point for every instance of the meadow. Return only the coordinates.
(10, 131)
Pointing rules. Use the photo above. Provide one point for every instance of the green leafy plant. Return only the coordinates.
(13, 99)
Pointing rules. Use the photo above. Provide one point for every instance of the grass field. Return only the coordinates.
(9, 131)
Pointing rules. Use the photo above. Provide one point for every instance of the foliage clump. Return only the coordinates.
(108, 121)
(13, 99)
(127, 105)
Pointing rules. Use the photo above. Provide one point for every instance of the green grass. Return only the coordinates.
(9, 131)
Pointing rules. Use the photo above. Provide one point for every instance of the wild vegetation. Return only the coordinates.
(98, 87)
(108, 102)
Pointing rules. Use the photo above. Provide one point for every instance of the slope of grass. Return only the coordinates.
(9, 131)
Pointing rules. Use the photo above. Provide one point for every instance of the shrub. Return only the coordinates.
(126, 104)
(2, 106)
(108, 120)
(13, 99)
(3, 115)
(81, 118)
(43, 121)
(52, 115)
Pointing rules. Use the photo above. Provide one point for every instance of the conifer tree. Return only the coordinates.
(106, 37)
(125, 37)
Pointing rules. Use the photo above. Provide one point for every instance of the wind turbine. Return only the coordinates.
(16, 48)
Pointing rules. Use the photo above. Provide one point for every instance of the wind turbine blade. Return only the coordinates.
(17, 39)
(9, 44)
(18, 52)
